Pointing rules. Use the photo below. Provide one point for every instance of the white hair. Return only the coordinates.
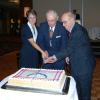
(53, 13)
(70, 15)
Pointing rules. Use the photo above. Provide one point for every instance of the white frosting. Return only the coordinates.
(38, 78)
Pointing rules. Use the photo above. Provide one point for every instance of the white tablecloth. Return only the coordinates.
(19, 95)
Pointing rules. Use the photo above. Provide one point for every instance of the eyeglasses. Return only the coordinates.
(64, 22)
(51, 20)
(32, 17)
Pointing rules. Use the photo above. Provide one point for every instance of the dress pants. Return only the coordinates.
(83, 84)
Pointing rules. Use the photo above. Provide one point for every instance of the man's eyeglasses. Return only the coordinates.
(51, 20)
(64, 22)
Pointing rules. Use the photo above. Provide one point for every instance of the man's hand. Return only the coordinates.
(51, 59)
(67, 60)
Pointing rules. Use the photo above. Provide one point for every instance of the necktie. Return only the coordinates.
(51, 32)
(69, 34)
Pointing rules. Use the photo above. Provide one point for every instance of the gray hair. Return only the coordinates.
(52, 12)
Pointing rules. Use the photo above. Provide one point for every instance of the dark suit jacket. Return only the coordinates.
(59, 41)
(79, 51)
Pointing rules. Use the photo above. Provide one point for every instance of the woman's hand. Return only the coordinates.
(45, 55)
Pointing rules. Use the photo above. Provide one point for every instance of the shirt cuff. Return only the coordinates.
(54, 57)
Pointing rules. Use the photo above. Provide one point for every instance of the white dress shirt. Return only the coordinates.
(52, 28)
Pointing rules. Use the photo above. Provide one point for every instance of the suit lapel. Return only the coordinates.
(47, 32)
(55, 31)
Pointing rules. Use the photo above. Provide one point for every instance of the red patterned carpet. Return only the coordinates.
(9, 43)
(8, 65)
(96, 82)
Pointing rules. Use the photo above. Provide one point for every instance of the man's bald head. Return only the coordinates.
(69, 15)
(68, 19)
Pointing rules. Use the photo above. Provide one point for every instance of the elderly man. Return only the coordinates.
(80, 54)
(52, 38)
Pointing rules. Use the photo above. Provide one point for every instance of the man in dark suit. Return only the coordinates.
(52, 38)
(80, 54)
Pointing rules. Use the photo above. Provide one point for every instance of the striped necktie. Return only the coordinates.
(51, 32)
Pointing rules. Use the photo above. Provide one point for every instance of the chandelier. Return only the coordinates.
(14, 1)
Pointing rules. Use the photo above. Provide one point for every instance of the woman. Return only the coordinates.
(29, 57)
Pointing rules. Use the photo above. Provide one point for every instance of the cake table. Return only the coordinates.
(20, 95)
